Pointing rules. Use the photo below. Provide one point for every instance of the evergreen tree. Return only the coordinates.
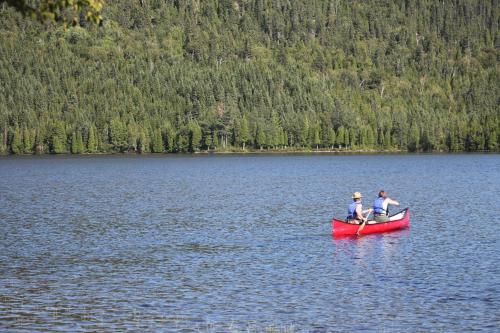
(352, 137)
(143, 142)
(80, 144)
(77, 143)
(268, 71)
(40, 138)
(285, 139)
(317, 140)
(260, 138)
(27, 141)
(414, 140)
(387, 139)
(341, 137)
(59, 139)
(347, 138)
(92, 141)
(17, 142)
(244, 133)
(370, 137)
(157, 144)
(491, 136)
(304, 133)
(195, 137)
(331, 138)
(118, 135)
(181, 142)
(3, 140)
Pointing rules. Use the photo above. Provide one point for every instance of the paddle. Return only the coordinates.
(362, 226)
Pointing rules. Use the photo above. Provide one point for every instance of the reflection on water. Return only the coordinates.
(243, 243)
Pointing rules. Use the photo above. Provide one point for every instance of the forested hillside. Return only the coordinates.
(174, 76)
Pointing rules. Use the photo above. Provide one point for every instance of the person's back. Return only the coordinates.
(380, 207)
(355, 210)
(351, 211)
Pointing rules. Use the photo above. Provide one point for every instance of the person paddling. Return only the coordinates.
(380, 207)
(355, 211)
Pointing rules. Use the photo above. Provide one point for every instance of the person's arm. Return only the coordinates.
(359, 212)
(392, 202)
(369, 210)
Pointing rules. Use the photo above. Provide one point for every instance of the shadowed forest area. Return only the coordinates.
(183, 76)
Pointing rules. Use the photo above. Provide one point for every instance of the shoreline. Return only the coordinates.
(258, 152)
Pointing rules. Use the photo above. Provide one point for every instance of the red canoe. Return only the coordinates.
(397, 221)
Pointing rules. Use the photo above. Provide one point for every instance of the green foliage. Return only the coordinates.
(244, 134)
(176, 76)
(28, 137)
(77, 143)
(330, 138)
(341, 137)
(3, 141)
(414, 140)
(60, 10)
(59, 139)
(17, 142)
(182, 141)
(316, 138)
(118, 135)
(143, 143)
(194, 137)
(260, 138)
(92, 141)
(157, 144)
(353, 142)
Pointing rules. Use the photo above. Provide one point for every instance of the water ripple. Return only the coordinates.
(243, 243)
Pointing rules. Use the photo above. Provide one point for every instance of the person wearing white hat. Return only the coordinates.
(355, 211)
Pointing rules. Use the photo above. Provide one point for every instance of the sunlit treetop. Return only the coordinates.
(63, 11)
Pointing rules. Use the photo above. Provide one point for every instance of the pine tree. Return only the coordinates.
(370, 137)
(59, 139)
(77, 143)
(387, 139)
(27, 141)
(132, 137)
(39, 140)
(341, 137)
(275, 129)
(414, 139)
(331, 137)
(317, 140)
(347, 137)
(157, 144)
(182, 141)
(195, 137)
(352, 138)
(74, 144)
(118, 135)
(143, 142)
(17, 142)
(244, 133)
(3, 140)
(168, 134)
(491, 136)
(92, 141)
(304, 133)
(260, 138)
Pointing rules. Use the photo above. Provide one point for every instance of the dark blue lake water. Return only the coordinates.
(243, 243)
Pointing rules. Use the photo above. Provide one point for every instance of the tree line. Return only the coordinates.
(185, 76)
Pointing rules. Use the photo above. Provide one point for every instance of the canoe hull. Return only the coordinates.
(399, 221)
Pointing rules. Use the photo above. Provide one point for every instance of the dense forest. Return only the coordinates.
(180, 76)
